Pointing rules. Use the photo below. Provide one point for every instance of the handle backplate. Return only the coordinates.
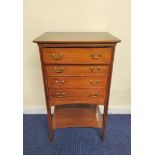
(95, 69)
(93, 95)
(59, 82)
(58, 69)
(96, 55)
(94, 82)
(57, 56)
(60, 94)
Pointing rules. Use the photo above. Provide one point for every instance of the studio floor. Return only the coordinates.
(77, 141)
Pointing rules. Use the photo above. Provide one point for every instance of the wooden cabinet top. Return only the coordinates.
(76, 37)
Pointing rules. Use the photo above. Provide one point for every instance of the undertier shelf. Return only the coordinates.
(79, 115)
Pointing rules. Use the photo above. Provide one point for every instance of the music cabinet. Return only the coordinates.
(77, 71)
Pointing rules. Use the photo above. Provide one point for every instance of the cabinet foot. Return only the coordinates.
(51, 138)
(103, 137)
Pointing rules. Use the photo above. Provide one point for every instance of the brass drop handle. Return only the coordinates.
(94, 83)
(58, 69)
(95, 69)
(60, 82)
(60, 94)
(96, 56)
(93, 95)
(57, 56)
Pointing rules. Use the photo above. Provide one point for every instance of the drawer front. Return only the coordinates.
(76, 82)
(76, 70)
(77, 55)
(82, 96)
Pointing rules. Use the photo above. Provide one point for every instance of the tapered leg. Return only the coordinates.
(104, 124)
(48, 106)
(51, 131)
(50, 124)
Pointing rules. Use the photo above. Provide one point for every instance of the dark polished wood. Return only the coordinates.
(77, 71)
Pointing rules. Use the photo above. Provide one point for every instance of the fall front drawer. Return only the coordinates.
(77, 70)
(76, 82)
(77, 55)
(72, 96)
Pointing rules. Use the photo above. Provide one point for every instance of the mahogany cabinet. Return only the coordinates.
(77, 70)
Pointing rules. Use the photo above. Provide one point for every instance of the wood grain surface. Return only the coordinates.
(77, 55)
(76, 82)
(77, 70)
(76, 37)
(77, 96)
(77, 116)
